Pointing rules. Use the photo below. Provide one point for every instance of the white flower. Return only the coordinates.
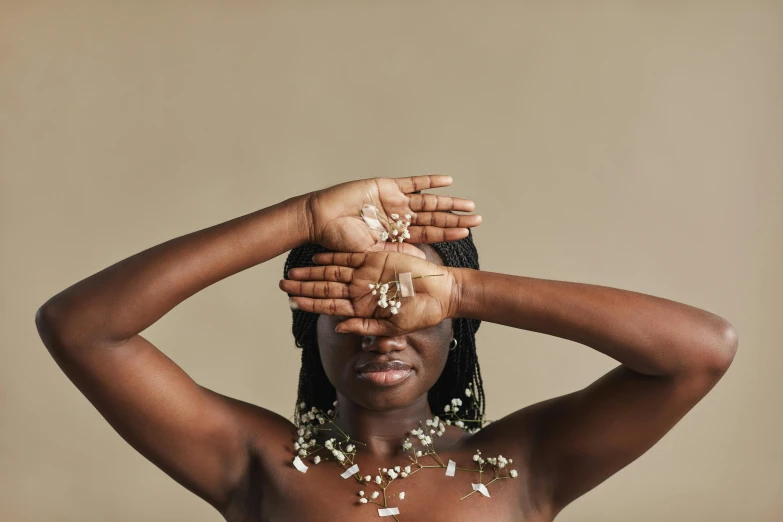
(407, 469)
(394, 232)
(367, 478)
(468, 393)
(339, 455)
(363, 500)
(447, 408)
(377, 480)
(513, 473)
(406, 234)
(406, 445)
(395, 216)
(361, 493)
(372, 286)
(397, 469)
(349, 448)
(475, 458)
(384, 236)
(328, 444)
(374, 495)
(403, 474)
(402, 495)
(394, 310)
(317, 459)
(407, 216)
(302, 405)
(296, 446)
(459, 424)
(384, 288)
(419, 453)
(303, 452)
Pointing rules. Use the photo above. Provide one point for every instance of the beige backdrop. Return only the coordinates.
(630, 145)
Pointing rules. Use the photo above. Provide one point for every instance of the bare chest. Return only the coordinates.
(281, 493)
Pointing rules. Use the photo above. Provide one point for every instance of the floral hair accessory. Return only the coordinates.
(403, 287)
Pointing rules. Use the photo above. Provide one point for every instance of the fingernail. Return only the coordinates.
(292, 303)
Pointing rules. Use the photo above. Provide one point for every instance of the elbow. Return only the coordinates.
(46, 323)
(723, 349)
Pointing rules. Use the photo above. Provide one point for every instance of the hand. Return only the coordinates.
(336, 222)
(343, 288)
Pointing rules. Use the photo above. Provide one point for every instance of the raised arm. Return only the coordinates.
(670, 355)
(198, 437)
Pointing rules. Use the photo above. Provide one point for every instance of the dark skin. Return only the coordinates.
(237, 456)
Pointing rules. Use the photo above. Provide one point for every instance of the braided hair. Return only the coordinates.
(462, 366)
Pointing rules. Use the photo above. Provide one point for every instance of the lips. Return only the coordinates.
(384, 373)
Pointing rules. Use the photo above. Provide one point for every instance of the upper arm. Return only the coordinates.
(576, 441)
(199, 438)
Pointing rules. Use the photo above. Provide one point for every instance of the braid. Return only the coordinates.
(462, 368)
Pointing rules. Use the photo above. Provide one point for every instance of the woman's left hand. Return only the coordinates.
(343, 288)
(335, 221)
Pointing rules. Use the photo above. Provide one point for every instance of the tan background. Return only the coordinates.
(631, 145)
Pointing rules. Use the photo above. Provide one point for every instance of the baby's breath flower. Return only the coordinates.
(468, 392)
(363, 500)
(349, 448)
(374, 495)
(377, 479)
(361, 493)
(513, 473)
(317, 459)
(367, 478)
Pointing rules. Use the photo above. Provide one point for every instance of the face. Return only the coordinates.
(422, 355)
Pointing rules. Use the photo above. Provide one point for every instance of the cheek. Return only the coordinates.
(335, 349)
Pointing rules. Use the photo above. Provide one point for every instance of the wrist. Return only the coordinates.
(457, 278)
(301, 221)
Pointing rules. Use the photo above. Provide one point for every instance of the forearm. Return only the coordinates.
(649, 334)
(124, 299)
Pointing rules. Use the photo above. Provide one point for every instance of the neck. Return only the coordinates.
(382, 432)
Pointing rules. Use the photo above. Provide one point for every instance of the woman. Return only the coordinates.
(243, 459)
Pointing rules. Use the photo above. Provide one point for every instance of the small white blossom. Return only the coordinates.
(317, 459)
(395, 216)
(402, 495)
(408, 217)
(513, 473)
(377, 479)
(468, 392)
(349, 448)
(361, 493)
(367, 478)
(374, 495)
(363, 500)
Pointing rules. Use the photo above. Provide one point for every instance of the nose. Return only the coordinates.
(383, 344)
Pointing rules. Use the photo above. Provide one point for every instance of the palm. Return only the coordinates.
(427, 307)
(336, 212)
(343, 288)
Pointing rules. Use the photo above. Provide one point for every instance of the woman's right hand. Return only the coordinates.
(335, 222)
(341, 286)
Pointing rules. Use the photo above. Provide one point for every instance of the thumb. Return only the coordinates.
(366, 326)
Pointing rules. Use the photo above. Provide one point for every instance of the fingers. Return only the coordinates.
(446, 220)
(323, 306)
(318, 289)
(403, 248)
(367, 326)
(414, 183)
(427, 235)
(338, 274)
(432, 202)
(353, 260)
